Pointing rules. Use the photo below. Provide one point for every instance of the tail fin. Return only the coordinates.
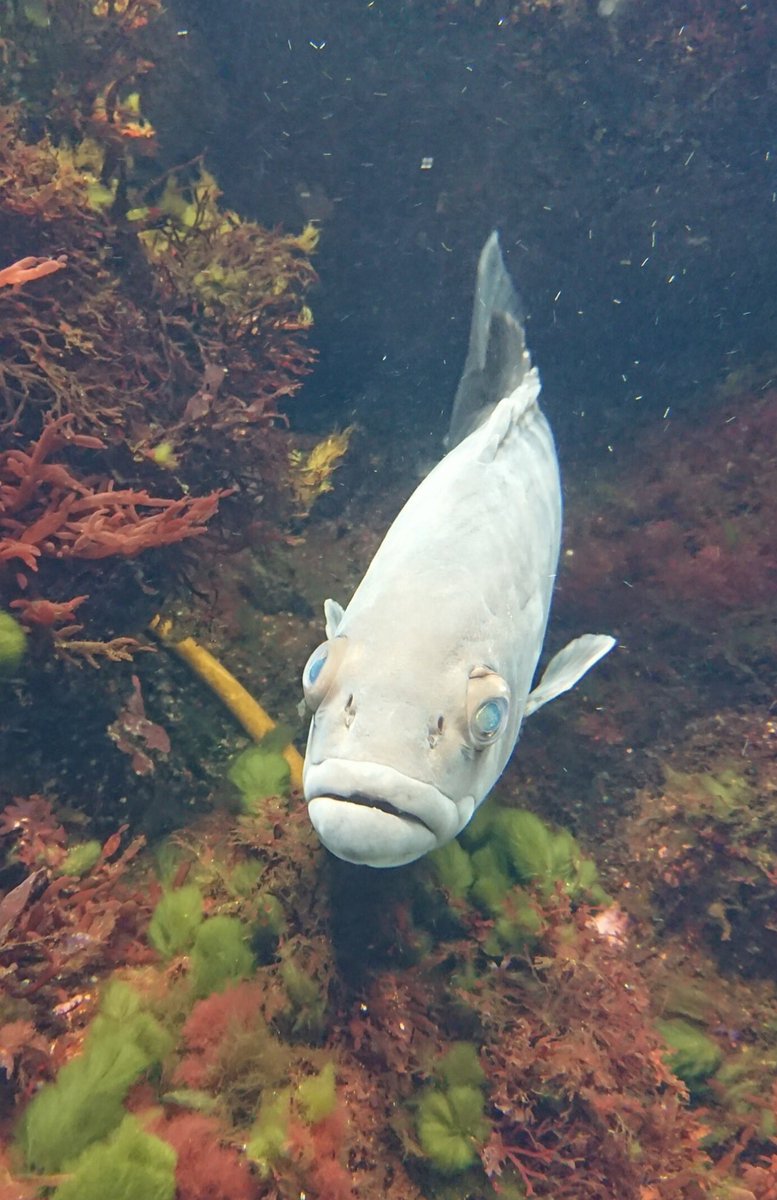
(497, 359)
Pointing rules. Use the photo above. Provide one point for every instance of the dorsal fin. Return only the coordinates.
(497, 358)
(333, 617)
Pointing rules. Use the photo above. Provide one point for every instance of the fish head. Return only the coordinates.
(400, 751)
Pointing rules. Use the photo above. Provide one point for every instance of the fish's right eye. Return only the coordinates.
(320, 670)
(316, 667)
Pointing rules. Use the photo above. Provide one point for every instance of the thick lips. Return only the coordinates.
(382, 806)
(372, 814)
(368, 836)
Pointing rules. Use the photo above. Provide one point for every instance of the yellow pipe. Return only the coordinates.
(255, 720)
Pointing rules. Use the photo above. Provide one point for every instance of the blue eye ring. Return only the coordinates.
(317, 666)
(489, 718)
(488, 706)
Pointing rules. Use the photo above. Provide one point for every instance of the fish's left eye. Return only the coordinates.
(488, 706)
(489, 718)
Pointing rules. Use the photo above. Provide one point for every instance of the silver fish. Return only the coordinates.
(420, 689)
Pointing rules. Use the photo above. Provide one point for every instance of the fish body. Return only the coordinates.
(420, 690)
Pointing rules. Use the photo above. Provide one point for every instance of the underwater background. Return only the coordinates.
(238, 245)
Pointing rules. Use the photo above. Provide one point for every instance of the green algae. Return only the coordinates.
(507, 862)
(461, 1066)
(259, 772)
(267, 1141)
(693, 1055)
(176, 920)
(13, 642)
(307, 1000)
(453, 868)
(80, 859)
(220, 955)
(450, 1125)
(130, 1165)
(450, 1116)
(317, 1095)
(85, 1102)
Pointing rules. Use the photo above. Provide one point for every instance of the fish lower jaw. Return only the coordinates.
(367, 835)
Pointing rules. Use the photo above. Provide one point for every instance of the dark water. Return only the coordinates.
(626, 160)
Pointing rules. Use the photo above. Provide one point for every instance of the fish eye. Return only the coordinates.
(320, 670)
(489, 718)
(317, 665)
(488, 706)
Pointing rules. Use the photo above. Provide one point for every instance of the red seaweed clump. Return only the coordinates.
(207, 1166)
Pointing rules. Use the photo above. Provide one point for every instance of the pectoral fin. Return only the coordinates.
(566, 667)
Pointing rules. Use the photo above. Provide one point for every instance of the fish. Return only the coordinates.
(420, 689)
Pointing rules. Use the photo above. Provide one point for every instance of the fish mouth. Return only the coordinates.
(382, 806)
(374, 815)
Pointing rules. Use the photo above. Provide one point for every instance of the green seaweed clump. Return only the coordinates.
(259, 772)
(450, 1125)
(307, 1001)
(693, 1056)
(743, 1086)
(85, 1102)
(450, 1119)
(544, 857)
(80, 859)
(267, 1141)
(13, 641)
(453, 868)
(509, 863)
(220, 955)
(129, 1165)
(461, 1066)
(317, 1095)
(313, 1101)
(176, 920)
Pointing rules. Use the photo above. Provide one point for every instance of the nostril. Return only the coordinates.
(350, 711)
(435, 732)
